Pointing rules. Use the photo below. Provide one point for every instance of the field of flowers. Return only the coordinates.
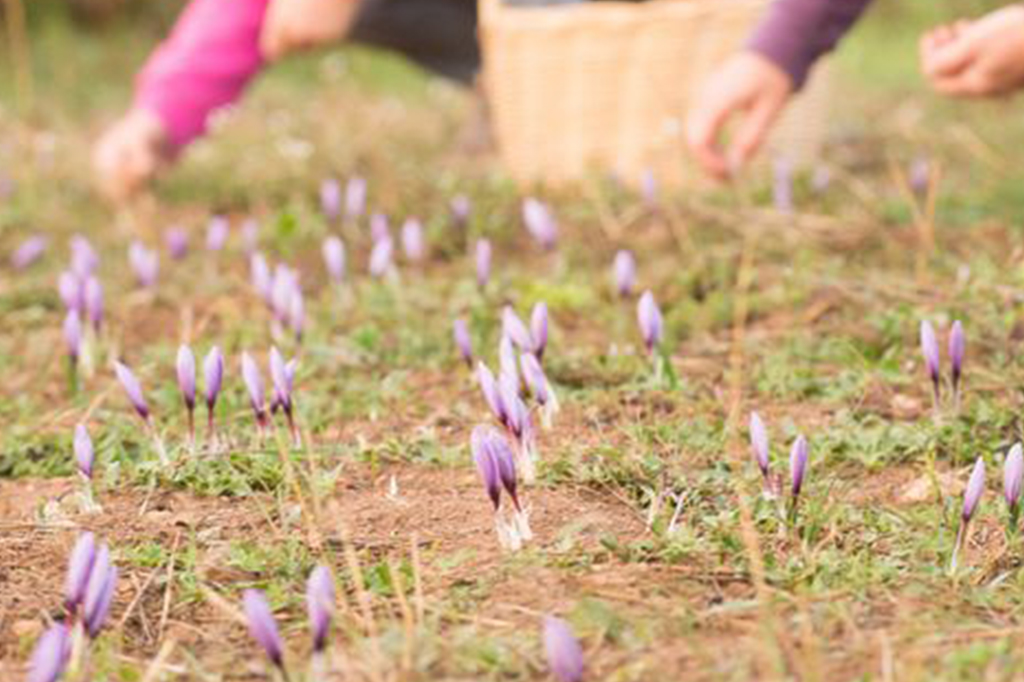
(337, 401)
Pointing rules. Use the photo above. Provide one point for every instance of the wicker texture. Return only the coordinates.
(604, 86)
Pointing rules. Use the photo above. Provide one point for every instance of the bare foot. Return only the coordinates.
(129, 154)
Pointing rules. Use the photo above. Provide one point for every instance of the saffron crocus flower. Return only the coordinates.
(259, 276)
(217, 231)
(73, 336)
(254, 385)
(69, 286)
(83, 257)
(176, 240)
(84, 453)
(540, 222)
(539, 328)
(83, 556)
(624, 270)
(521, 428)
(262, 626)
(513, 329)
(564, 653)
(972, 497)
(186, 369)
(483, 262)
(297, 311)
(649, 318)
(213, 376)
(145, 263)
(782, 185)
(93, 295)
(540, 388)
(28, 252)
(133, 390)
(282, 376)
(355, 198)
(957, 350)
(380, 257)
(1013, 477)
(51, 655)
(486, 458)
(508, 367)
(333, 251)
(930, 351)
(759, 444)
(330, 198)
(99, 593)
(379, 227)
(320, 605)
(414, 244)
(492, 393)
(798, 465)
(463, 340)
(282, 284)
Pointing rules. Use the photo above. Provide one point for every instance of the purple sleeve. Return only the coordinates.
(794, 33)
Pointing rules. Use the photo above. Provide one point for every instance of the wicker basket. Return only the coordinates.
(604, 86)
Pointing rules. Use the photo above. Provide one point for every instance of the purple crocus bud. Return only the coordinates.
(186, 366)
(73, 334)
(132, 389)
(145, 263)
(483, 262)
(379, 228)
(513, 329)
(509, 370)
(460, 207)
(625, 273)
(463, 340)
(565, 655)
(534, 377)
(281, 291)
(83, 556)
(486, 466)
(957, 350)
(355, 197)
(975, 487)
(505, 460)
(259, 275)
(333, 250)
(782, 185)
(176, 240)
(93, 294)
(330, 198)
(930, 351)
(492, 392)
(649, 317)
(539, 328)
(213, 375)
(1013, 476)
(413, 242)
(254, 385)
(28, 252)
(84, 454)
(798, 464)
(380, 257)
(759, 442)
(217, 231)
(262, 626)
(320, 605)
(83, 257)
(51, 655)
(69, 286)
(280, 380)
(99, 593)
(540, 222)
(297, 311)
(919, 175)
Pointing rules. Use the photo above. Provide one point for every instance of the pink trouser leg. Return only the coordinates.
(206, 62)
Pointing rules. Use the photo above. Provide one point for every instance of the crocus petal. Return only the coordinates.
(930, 350)
(1013, 475)
(176, 240)
(483, 262)
(217, 231)
(534, 377)
(262, 625)
(539, 328)
(759, 442)
(798, 464)
(51, 655)
(69, 286)
(28, 252)
(279, 379)
(625, 273)
(957, 351)
(93, 301)
(649, 318)
(975, 487)
(540, 222)
(253, 384)
(380, 228)
(83, 257)
(83, 556)
(213, 375)
(99, 593)
(413, 242)
(330, 198)
(380, 257)
(132, 389)
(486, 465)
(355, 197)
(334, 258)
(84, 454)
(73, 334)
(259, 275)
(512, 328)
(463, 340)
(564, 653)
(320, 605)
(491, 391)
(186, 368)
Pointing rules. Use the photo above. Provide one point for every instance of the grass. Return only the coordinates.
(822, 343)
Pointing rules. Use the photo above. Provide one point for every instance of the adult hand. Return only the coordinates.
(292, 25)
(981, 58)
(746, 84)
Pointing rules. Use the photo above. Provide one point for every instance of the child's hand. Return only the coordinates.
(129, 154)
(979, 58)
(747, 84)
(292, 25)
